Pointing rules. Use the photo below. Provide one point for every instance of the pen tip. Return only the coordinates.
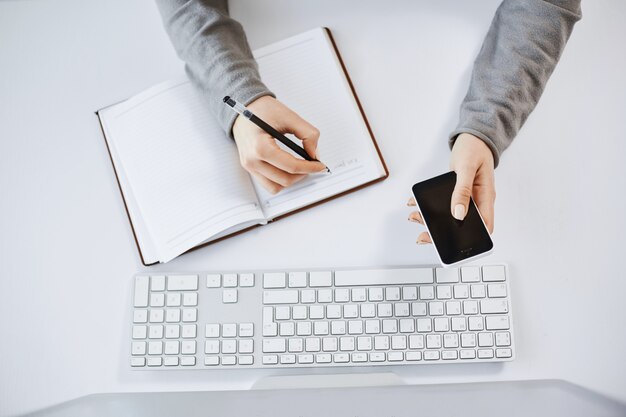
(328, 170)
(226, 99)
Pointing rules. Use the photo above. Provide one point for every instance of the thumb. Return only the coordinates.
(462, 193)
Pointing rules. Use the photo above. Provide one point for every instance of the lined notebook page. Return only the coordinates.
(178, 170)
(305, 74)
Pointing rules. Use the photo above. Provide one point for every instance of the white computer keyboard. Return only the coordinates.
(355, 317)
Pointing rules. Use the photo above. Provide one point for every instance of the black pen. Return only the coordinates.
(242, 110)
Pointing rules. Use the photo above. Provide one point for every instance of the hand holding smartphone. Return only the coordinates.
(455, 240)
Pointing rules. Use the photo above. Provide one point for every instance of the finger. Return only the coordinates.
(289, 163)
(269, 185)
(411, 202)
(276, 175)
(306, 132)
(424, 238)
(462, 193)
(416, 217)
(485, 201)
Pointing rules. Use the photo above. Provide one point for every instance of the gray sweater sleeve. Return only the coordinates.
(519, 53)
(215, 50)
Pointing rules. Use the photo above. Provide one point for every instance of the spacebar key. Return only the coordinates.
(280, 297)
(383, 277)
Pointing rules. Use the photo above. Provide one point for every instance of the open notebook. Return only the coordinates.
(179, 173)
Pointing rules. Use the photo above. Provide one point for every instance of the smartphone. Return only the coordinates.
(455, 241)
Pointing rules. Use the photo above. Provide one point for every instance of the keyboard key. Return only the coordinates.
(377, 357)
(246, 360)
(211, 346)
(157, 283)
(401, 309)
(155, 348)
(461, 291)
(295, 345)
(325, 296)
(316, 312)
(282, 313)
(170, 361)
(189, 331)
(496, 290)
(418, 309)
(346, 343)
(212, 330)
(230, 280)
(172, 331)
(459, 324)
(375, 294)
(213, 281)
(172, 347)
(156, 316)
(372, 277)
(470, 307)
(138, 348)
(229, 360)
(485, 353)
(188, 361)
(155, 332)
(304, 328)
(468, 354)
(409, 293)
(140, 316)
(320, 279)
(407, 326)
(424, 325)
(297, 279)
(323, 358)
(453, 308)
(338, 327)
(390, 326)
(359, 357)
(416, 341)
(173, 299)
(355, 327)
(450, 340)
(190, 315)
(288, 359)
(435, 308)
(157, 300)
(246, 280)
(188, 347)
(229, 346)
(305, 358)
(246, 329)
(431, 355)
(447, 275)
(504, 353)
(140, 332)
(444, 292)
(398, 342)
(368, 310)
(141, 291)
(312, 344)
(270, 359)
(342, 295)
(503, 339)
(381, 342)
(211, 360)
(229, 330)
(442, 324)
(274, 280)
(372, 326)
(229, 296)
(475, 323)
(477, 291)
(413, 356)
(320, 328)
(333, 311)
(433, 341)
(286, 329)
(468, 340)
(190, 299)
(341, 357)
(155, 361)
(172, 315)
(246, 346)
(299, 312)
(359, 294)
(497, 323)
(308, 296)
(427, 292)
(270, 329)
(329, 344)
(493, 273)
(395, 356)
(485, 339)
(364, 343)
(182, 282)
(350, 311)
(449, 355)
(470, 274)
(494, 306)
(385, 310)
(392, 293)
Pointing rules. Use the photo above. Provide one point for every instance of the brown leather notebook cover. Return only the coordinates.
(369, 129)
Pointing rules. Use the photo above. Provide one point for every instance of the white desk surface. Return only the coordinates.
(67, 253)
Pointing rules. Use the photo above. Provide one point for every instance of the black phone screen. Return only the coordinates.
(454, 240)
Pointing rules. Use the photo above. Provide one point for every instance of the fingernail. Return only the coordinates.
(421, 242)
(414, 220)
(459, 212)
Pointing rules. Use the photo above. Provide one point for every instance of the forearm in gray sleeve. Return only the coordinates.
(215, 50)
(518, 55)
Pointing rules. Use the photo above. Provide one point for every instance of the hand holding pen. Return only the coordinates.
(259, 153)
